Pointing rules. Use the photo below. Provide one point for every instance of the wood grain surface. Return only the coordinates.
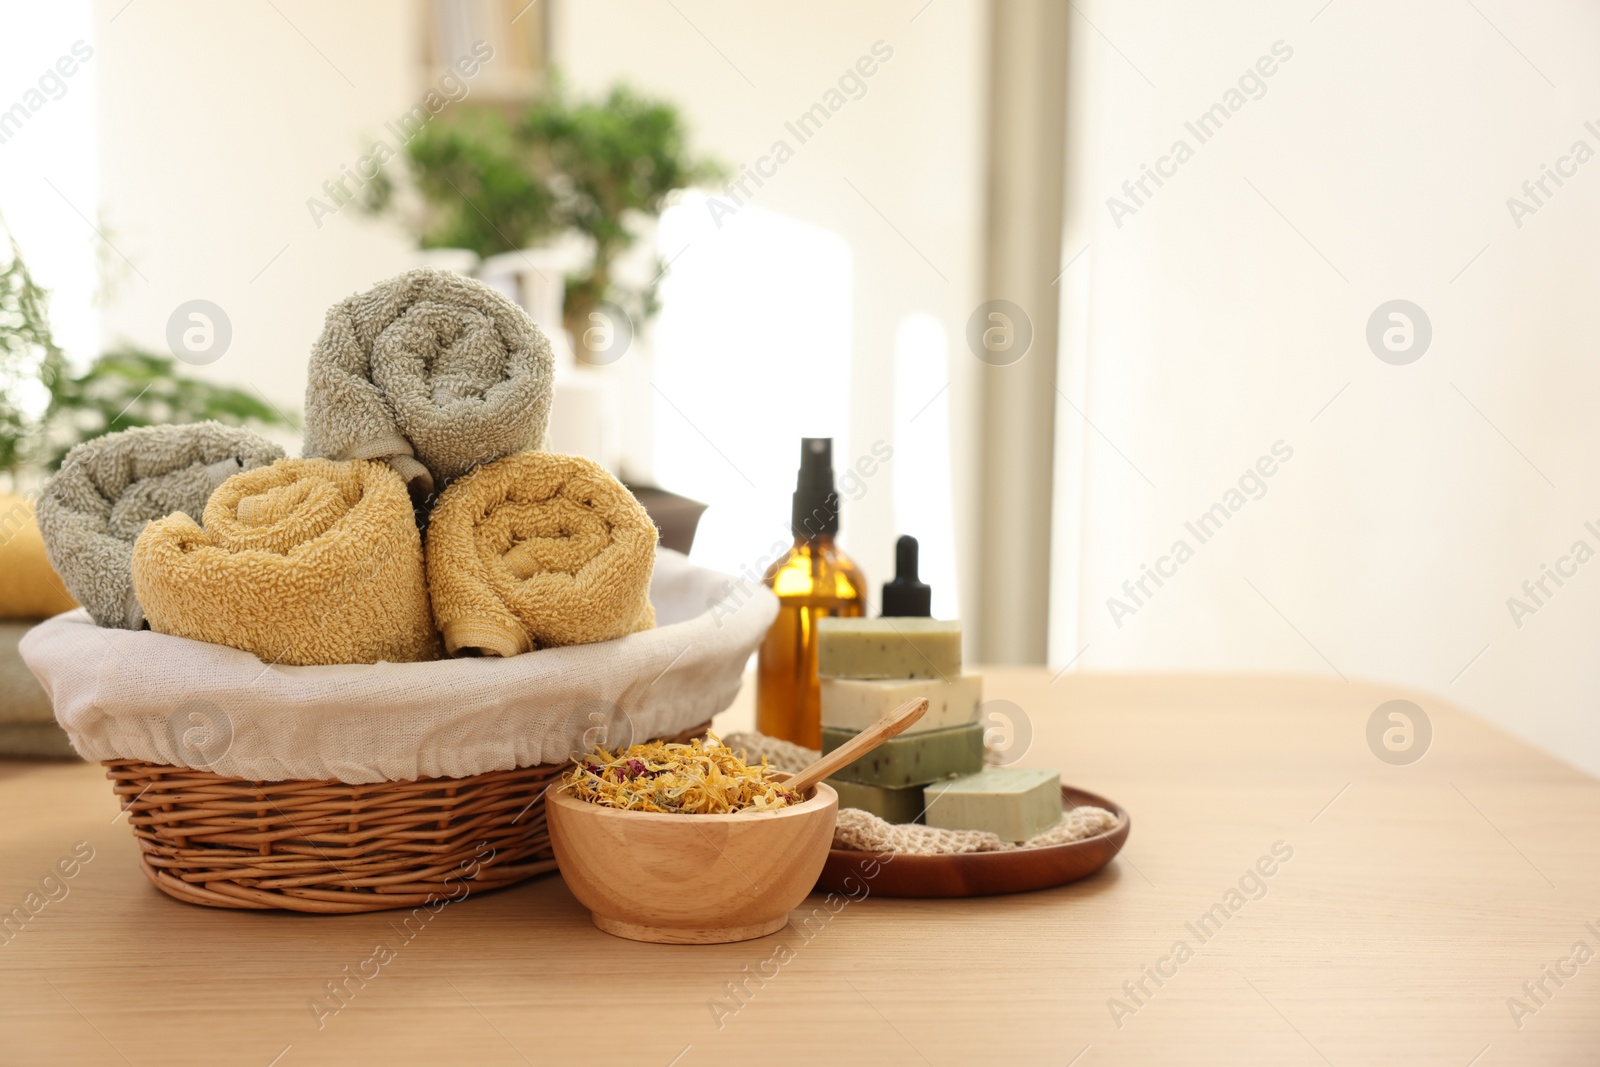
(1415, 903)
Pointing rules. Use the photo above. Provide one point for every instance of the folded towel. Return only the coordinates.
(305, 561)
(28, 727)
(110, 487)
(31, 589)
(35, 740)
(22, 699)
(537, 550)
(434, 373)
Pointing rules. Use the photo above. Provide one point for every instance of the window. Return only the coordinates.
(752, 353)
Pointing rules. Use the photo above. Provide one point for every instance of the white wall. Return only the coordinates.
(217, 124)
(48, 183)
(1227, 312)
(911, 144)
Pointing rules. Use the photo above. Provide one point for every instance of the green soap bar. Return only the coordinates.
(914, 759)
(900, 805)
(894, 647)
(1012, 802)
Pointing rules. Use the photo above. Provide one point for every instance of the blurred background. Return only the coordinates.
(1243, 338)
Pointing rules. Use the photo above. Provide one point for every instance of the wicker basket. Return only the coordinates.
(333, 848)
(361, 787)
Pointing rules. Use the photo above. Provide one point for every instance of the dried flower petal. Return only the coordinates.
(699, 778)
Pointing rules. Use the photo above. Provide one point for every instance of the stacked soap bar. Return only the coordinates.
(912, 759)
(889, 647)
(891, 805)
(933, 772)
(855, 704)
(869, 667)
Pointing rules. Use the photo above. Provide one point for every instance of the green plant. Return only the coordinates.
(129, 387)
(28, 353)
(493, 183)
(120, 389)
(482, 188)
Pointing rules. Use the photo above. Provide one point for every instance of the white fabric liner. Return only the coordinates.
(143, 695)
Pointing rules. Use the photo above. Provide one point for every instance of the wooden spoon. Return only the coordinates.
(890, 725)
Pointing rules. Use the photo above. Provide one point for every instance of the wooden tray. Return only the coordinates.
(979, 874)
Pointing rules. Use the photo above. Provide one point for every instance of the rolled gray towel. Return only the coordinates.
(110, 488)
(431, 371)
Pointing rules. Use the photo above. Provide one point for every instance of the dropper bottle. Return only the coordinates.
(814, 580)
(907, 595)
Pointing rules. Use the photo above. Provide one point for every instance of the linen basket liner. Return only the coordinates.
(124, 694)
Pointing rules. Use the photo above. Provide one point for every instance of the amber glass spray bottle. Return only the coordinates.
(813, 581)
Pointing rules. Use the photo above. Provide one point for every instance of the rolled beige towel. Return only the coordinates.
(306, 561)
(538, 550)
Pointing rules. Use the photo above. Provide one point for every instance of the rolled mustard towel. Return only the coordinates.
(538, 550)
(29, 586)
(432, 372)
(110, 487)
(306, 561)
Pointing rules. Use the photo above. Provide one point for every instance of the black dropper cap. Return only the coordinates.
(816, 505)
(905, 595)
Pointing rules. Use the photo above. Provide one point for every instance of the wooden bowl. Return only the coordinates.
(690, 879)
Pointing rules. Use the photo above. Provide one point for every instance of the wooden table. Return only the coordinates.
(1418, 901)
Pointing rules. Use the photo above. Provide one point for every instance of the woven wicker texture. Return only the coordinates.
(333, 848)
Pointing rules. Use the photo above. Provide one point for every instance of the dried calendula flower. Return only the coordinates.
(703, 777)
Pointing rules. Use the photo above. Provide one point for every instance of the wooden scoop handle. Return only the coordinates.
(889, 726)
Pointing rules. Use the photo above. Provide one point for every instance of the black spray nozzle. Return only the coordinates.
(906, 595)
(816, 462)
(816, 505)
